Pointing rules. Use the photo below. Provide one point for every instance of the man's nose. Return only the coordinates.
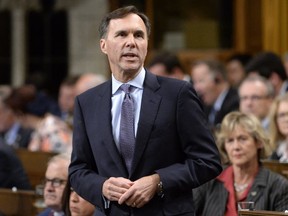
(130, 40)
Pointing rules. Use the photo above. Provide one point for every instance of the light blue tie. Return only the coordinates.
(127, 136)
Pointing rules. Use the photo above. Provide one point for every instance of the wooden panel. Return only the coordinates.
(255, 213)
(19, 203)
(35, 164)
(281, 168)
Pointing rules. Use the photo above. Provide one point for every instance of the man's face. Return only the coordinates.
(125, 44)
(66, 98)
(159, 70)
(204, 84)
(57, 170)
(254, 99)
(235, 72)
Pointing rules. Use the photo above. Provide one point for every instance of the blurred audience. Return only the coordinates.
(270, 66)
(75, 205)
(87, 81)
(55, 180)
(5, 90)
(235, 67)
(256, 96)
(210, 82)
(279, 128)
(38, 83)
(12, 173)
(66, 99)
(167, 64)
(242, 141)
(11, 130)
(50, 132)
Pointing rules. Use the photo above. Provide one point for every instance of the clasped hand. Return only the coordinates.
(132, 193)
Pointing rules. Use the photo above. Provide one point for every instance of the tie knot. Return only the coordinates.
(126, 88)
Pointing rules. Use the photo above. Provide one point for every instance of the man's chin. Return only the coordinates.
(52, 203)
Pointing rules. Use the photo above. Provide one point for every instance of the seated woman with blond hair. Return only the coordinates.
(279, 128)
(243, 142)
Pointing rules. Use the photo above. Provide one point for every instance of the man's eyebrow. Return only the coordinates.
(139, 32)
(120, 31)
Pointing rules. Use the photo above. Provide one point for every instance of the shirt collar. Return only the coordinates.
(136, 82)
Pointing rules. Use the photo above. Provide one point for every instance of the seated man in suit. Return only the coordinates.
(11, 130)
(210, 82)
(55, 181)
(256, 97)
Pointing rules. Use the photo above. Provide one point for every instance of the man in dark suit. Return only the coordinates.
(11, 131)
(219, 98)
(173, 151)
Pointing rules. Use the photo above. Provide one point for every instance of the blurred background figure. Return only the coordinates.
(50, 133)
(75, 205)
(285, 60)
(87, 81)
(235, 67)
(210, 82)
(279, 128)
(167, 64)
(43, 100)
(66, 99)
(55, 181)
(11, 130)
(256, 96)
(242, 141)
(270, 66)
(12, 173)
(5, 90)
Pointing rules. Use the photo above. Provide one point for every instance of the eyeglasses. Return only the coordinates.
(253, 97)
(56, 182)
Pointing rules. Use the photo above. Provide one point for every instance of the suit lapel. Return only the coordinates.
(104, 107)
(149, 108)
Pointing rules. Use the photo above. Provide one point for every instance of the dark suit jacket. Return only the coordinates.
(230, 103)
(269, 192)
(12, 173)
(23, 137)
(172, 139)
(46, 212)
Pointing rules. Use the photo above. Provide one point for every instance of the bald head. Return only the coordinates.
(87, 81)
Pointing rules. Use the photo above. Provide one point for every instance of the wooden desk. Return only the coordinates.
(35, 164)
(19, 203)
(263, 213)
(281, 168)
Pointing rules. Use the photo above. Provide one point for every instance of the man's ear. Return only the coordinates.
(103, 46)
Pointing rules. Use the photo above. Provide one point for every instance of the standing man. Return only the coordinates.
(171, 150)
